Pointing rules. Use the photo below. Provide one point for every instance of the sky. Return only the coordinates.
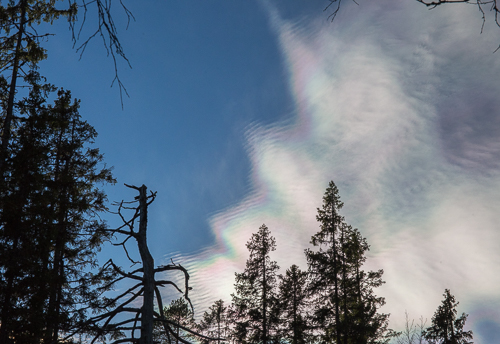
(241, 112)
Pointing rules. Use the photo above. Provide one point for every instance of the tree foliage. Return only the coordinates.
(215, 322)
(446, 328)
(50, 201)
(20, 52)
(49, 232)
(255, 298)
(344, 304)
(21, 47)
(293, 305)
(180, 314)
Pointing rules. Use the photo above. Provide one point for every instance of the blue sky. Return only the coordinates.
(241, 112)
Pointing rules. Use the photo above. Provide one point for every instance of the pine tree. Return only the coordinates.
(344, 305)
(255, 298)
(446, 328)
(215, 322)
(293, 303)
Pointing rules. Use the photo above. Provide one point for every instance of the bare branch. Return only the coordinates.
(163, 320)
(107, 30)
(432, 4)
(163, 283)
(147, 286)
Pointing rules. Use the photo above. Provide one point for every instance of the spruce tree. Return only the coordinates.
(255, 298)
(344, 305)
(293, 303)
(446, 328)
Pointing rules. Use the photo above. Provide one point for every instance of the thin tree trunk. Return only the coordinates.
(218, 324)
(344, 285)
(59, 205)
(264, 299)
(148, 266)
(295, 331)
(9, 114)
(6, 134)
(335, 258)
(360, 305)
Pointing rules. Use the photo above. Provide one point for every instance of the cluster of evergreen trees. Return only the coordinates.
(50, 196)
(49, 234)
(332, 302)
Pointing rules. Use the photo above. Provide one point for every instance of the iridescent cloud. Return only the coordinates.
(376, 96)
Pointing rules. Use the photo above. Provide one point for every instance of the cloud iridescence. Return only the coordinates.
(399, 106)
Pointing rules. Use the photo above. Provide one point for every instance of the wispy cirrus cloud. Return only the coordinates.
(399, 106)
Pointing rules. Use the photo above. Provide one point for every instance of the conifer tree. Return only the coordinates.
(215, 322)
(21, 49)
(344, 305)
(293, 302)
(446, 328)
(180, 314)
(255, 298)
(49, 233)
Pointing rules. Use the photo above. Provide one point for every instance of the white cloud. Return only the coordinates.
(369, 92)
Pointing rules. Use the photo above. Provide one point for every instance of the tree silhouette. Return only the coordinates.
(21, 50)
(49, 226)
(135, 319)
(446, 328)
(181, 315)
(215, 322)
(255, 297)
(293, 303)
(344, 305)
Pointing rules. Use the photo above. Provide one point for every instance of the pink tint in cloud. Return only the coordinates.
(367, 117)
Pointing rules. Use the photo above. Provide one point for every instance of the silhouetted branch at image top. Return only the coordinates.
(106, 29)
(482, 6)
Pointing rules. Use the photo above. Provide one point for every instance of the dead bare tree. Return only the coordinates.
(412, 333)
(135, 319)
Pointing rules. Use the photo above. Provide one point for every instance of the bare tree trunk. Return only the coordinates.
(148, 266)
